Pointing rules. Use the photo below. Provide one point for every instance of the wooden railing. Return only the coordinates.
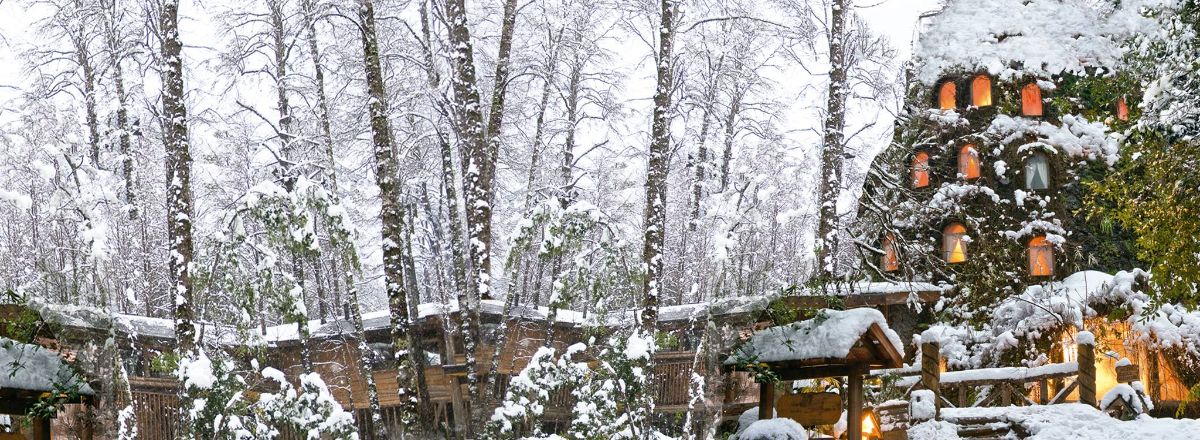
(1004, 386)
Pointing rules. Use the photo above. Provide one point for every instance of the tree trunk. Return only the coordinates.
(832, 155)
(179, 190)
(390, 215)
(574, 78)
(113, 41)
(656, 173)
(735, 103)
(83, 57)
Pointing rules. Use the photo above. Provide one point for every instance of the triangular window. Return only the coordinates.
(968, 162)
(954, 243)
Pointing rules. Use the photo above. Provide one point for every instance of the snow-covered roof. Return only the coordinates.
(34, 368)
(829, 335)
(1044, 38)
(144, 326)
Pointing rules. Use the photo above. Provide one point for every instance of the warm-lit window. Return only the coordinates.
(981, 91)
(946, 95)
(1031, 100)
(1041, 257)
(890, 261)
(1037, 172)
(968, 162)
(954, 244)
(920, 170)
(1122, 109)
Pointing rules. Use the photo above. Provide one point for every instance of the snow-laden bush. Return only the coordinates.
(611, 393)
(310, 410)
(223, 410)
(774, 429)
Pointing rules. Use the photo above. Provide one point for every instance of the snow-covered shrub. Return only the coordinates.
(779, 428)
(611, 394)
(310, 410)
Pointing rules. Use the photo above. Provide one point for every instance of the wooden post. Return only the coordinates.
(1154, 384)
(1043, 392)
(854, 404)
(1086, 346)
(766, 400)
(41, 429)
(931, 372)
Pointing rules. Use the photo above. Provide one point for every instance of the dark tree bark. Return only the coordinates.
(735, 104)
(656, 173)
(179, 190)
(833, 150)
(390, 213)
(179, 187)
(115, 43)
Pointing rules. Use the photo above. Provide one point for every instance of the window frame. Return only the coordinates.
(1032, 87)
(981, 96)
(1025, 165)
(959, 232)
(940, 95)
(890, 260)
(1036, 247)
(964, 165)
(920, 159)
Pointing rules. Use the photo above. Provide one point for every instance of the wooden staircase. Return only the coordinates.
(986, 428)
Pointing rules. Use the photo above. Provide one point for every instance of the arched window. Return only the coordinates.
(946, 96)
(1122, 109)
(954, 244)
(981, 91)
(1041, 257)
(968, 162)
(1031, 100)
(890, 262)
(1037, 172)
(920, 170)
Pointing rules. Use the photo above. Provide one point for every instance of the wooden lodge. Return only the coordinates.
(144, 342)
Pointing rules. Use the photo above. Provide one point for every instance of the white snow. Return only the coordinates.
(774, 429)
(1085, 338)
(1046, 37)
(1012, 374)
(923, 405)
(1130, 394)
(1079, 422)
(934, 430)
(829, 335)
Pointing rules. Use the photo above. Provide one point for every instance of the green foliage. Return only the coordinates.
(1155, 192)
(49, 404)
(1192, 398)
(165, 362)
(761, 372)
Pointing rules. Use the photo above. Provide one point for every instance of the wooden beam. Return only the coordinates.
(891, 354)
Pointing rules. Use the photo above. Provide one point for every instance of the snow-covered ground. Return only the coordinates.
(1060, 422)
